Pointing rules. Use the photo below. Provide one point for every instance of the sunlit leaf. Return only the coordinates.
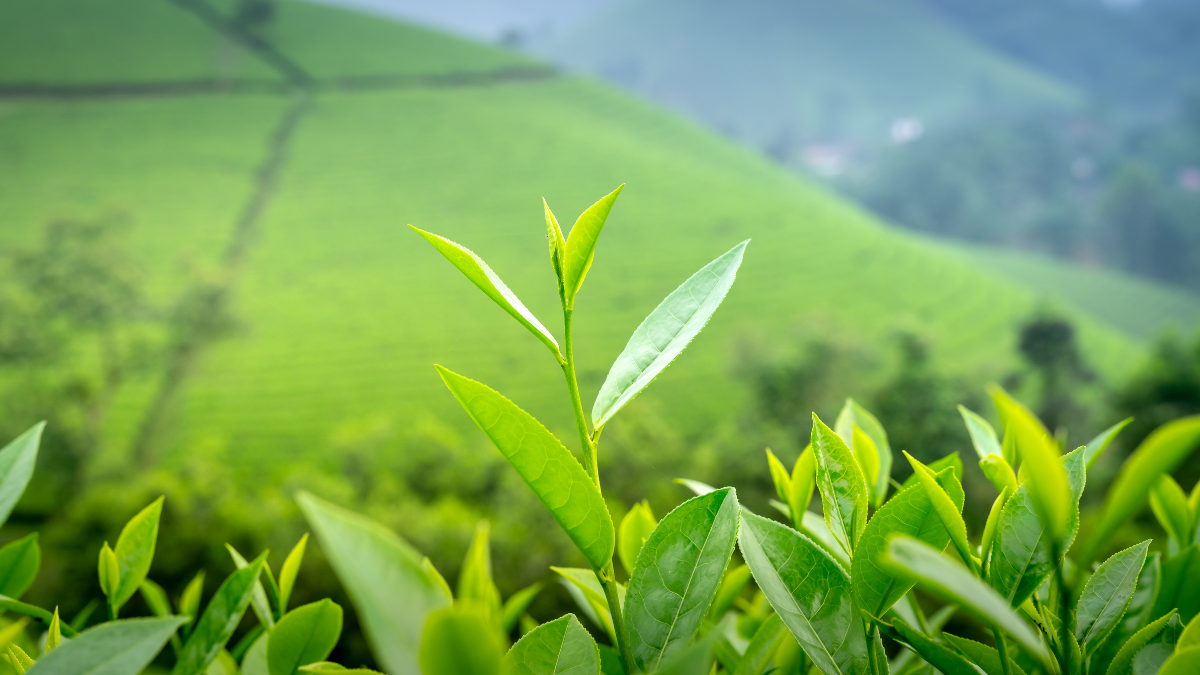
(1100, 443)
(516, 605)
(1182, 662)
(1170, 507)
(109, 571)
(998, 471)
(803, 480)
(558, 250)
(460, 640)
(382, 574)
(983, 436)
(1041, 463)
(475, 269)
(939, 656)
(287, 573)
(475, 582)
(989, 527)
(19, 563)
(780, 477)
(560, 647)
(135, 551)
(762, 647)
(220, 618)
(677, 576)
(17, 460)
(731, 586)
(1177, 587)
(867, 456)
(581, 244)
(123, 647)
(1106, 596)
(665, 333)
(844, 495)
(851, 415)
(813, 526)
(304, 635)
(982, 655)
(258, 602)
(949, 512)
(189, 600)
(950, 461)
(589, 595)
(635, 528)
(1122, 664)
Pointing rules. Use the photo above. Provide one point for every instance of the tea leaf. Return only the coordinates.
(259, 602)
(1160, 453)
(981, 655)
(135, 551)
(939, 656)
(989, 528)
(475, 578)
(189, 600)
(1170, 507)
(304, 635)
(54, 632)
(1177, 587)
(558, 250)
(589, 595)
(998, 471)
(695, 659)
(950, 461)
(947, 511)
(1100, 443)
(581, 244)
(635, 528)
(1122, 663)
(460, 640)
(17, 460)
(937, 574)
(123, 647)
(809, 591)
(780, 477)
(1040, 461)
(110, 573)
(731, 586)
(842, 484)
(1106, 596)
(814, 527)
(516, 605)
(560, 647)
(287, 573)
(762, 647)
(665, 333)
(474, 268)
(219, 620)
(912, 513)
(19, 563)
(156, 598)
(854, 414)
(804, 479)
(677, 576)
(1182, 662)
(983, 436)
(547, 467)
(382, 575)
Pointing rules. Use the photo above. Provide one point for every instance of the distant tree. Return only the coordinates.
(1048, 344)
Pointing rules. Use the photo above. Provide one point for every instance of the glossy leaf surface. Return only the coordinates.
(19, 563)
(382, 574)
(998, 471)
(1043, 470)
(123, 647)
(548, 468)
(947, 510)
(219, 620)
(665, 333)
(581, 244)
(1122, 664)
(635, 529)
(678, 573)
(851, 415)
(460, 640)
(17, 460)
(135, 550)
(950, 461)
(983, 436)
(560, 647)
(843, 487)
(287, 573)
(779, 477)
(474, 268)
(304, 635)
(911, 513)
(1106, 596)
(589, 594)
(809, 591)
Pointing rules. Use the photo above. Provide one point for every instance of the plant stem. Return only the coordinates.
(608, 580)
(568, 366)
(872, 629)
(1002, 648)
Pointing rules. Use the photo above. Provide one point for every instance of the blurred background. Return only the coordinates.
(208, 288)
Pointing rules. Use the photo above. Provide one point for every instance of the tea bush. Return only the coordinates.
(819, 596)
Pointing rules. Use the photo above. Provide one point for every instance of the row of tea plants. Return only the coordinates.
(819, 596)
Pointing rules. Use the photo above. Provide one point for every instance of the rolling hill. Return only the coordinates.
(343, 309)
(776, 74)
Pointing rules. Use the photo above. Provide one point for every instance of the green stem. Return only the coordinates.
(608, 580)
(568, 366)
(872, 659)
(1002, 648)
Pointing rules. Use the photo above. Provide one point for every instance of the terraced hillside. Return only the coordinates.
(296, 198)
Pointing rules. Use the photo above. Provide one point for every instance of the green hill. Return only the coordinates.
(343, 310)
(776, 73)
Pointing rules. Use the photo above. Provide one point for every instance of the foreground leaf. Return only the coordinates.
(949, 512)
(1041, 464)
(258, 602)
(665, 333)
(678, 573)
(852, 415)
(1106, 596)
(1160, 453)
(803, 480)
(1122, 664)
(547, 467)
(17, 460)
(19, 563)
(123, 647)
(809, 591)
(843, 487)
(981, 655)
(304, 635)
(1182, 662)
(939, 656)
(219, 620)
(560, 647)
(475, 269)
(460, 640)
(937, 574)
(135, 551)
(911, 513)
(287, 573)
(382, 575)
(581, 244)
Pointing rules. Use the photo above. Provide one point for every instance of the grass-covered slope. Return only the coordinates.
(780, 72)
(343, 309)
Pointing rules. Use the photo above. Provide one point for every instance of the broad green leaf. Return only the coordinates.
(998, 471)
(843, 487)
(1041, 464)
(1021, 556)
(1170, 507)
(945, 508)
(258, 602)
(1100, 443)
(1106, 596)
(382, 574)
(547, 467)
(1177, 589)
(677, 576)
(17, 460)
(255, 661)
(983, 436)
(780, 477)
(474, 268)
(287, 573)
(110, 573)
(1150, 659)
(762, 647)
(981, 655)
(460, 640)
(665, 333)
(853, 414)
(135, 551)
(635, 529)
(910, 512)
(560, 647)
(516, 605)
(731, 586)
(610, 661)
(123, 647)
(803, 480)
(1122, 664)
(939, 656)
(1182, 662)
(589, 595)
(19, 563)
(951, 460)
(937, 574)
(475, 582)
(219, 620)
(304, 635)
(1160, 453)
(813, 526)
(809, 591)
(581, 244)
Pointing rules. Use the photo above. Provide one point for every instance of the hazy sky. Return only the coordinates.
(485, 19)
